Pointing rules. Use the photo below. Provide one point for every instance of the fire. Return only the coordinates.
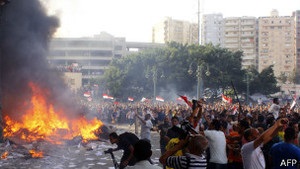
(42, 122)
(4, 155)
(36, 154)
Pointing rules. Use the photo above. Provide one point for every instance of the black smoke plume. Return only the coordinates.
(25, 31)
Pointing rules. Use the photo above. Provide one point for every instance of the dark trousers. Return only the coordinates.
(235, 165)
(216, 166)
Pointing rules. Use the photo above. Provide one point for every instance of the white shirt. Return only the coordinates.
(146, 130)
(217, 146)
(274, 109)
(144, 164)
(252, 158)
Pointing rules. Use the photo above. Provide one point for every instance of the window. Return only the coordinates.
(72, 81)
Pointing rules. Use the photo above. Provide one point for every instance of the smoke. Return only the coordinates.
(25, 31)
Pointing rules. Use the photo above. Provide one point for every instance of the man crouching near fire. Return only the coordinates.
(125, 142)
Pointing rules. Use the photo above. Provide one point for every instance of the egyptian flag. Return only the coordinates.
(294, 102)
(226, 99)
(105, 96)
(87, 94)
(130, 99)
(189, 103)
(158, 98)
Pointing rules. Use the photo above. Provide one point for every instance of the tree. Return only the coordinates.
(127, 76)
(292, 77)
(264, 82)
(282, 78)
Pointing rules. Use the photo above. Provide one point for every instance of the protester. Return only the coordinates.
(284, 151)
(142, 153)
(175, 131)
(193, 159)
(126, 143)
(146, 126)
(130, 116)
(217, 145)
(252, 154)
(274, 109)
(163, 129)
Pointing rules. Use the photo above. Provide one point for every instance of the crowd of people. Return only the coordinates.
(214, 135)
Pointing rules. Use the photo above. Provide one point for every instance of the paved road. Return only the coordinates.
(90, 156)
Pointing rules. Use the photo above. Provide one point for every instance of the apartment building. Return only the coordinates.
(169, 30)
(91, 56)
(277, 44)
(296, 17)
(212, 29)
(240, 34)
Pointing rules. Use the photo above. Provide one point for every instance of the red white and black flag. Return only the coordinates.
(130, 99)
(158, 98)
(186, 100)
(226, 99)
(105, 96)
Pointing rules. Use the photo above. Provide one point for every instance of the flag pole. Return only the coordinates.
(237, 98)
(296, 104)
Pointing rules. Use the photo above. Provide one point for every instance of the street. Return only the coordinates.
(90, 156)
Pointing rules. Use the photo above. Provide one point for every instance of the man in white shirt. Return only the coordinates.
(274, 109)
(217, 145)
(253, 157)
(146, 126)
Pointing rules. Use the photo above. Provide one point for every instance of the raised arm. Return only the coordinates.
(270, 132)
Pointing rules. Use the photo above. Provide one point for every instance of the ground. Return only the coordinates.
(90, 156)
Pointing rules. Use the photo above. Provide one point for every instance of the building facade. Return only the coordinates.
(277, 44)
(296, 16)
(212, 29)
(179, 31)
(240, 34)
(90, 56)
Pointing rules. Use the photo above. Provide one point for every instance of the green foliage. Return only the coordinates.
(264, 82)
(134, 75)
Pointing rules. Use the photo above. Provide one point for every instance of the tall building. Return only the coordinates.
(277, 44)
(90, 56)
(240, 34)
(179, 31)
(212, 29)
(296, 16)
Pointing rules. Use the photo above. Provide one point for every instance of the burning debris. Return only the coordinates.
(37, 104)
(4, 155)
(40, 115)
(42, 125)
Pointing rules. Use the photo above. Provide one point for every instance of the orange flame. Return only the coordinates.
(42, 122)
(36, 154)
(4, 155)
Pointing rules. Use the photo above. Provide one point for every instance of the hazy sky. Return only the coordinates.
(134, 19)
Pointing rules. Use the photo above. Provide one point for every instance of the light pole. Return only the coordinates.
(154, 72)
(199, 72)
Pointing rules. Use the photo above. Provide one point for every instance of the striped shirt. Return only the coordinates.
(181, 162)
